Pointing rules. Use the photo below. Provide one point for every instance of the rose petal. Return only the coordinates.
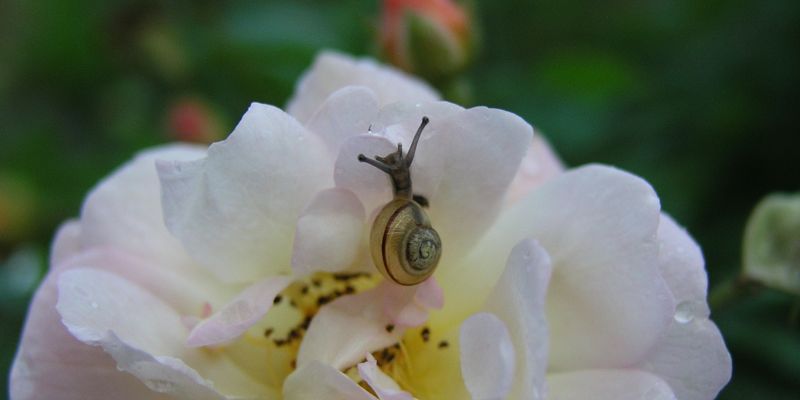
(67, 241)
(351, 326)
(371, 185)
(608, 385)
(429, 294)
(384, 386)
(408, 115)
(408, 306)
(518, 300)
(683, 267)
(318, 381)
(50, 363)
(607, 302)
(145, 337)
(332, 71)
(235, 211)
(347, 328)
(481, 150)
(692, 359)
(124, 209)
(539, 165)
(329, 233)
(346, 112)
(487, 357)
(238, 315)
(183, 292)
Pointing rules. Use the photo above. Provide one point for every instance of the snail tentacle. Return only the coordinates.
(413, 148)
(375, 163)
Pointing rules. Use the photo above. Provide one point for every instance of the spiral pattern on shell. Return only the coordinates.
(423, 247)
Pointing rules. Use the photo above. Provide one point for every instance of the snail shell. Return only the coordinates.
(404, 246)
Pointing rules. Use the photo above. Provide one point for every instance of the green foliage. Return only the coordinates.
(699, 98)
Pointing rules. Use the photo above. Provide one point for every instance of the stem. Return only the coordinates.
(730, 291)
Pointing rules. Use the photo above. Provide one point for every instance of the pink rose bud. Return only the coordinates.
(191, 120)
(431, 38)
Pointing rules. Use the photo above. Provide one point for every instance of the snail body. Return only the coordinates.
(404, 246)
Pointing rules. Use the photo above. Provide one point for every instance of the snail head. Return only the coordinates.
(398, 165)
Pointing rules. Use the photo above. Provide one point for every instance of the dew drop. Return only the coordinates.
(685, 312)
(94, 305)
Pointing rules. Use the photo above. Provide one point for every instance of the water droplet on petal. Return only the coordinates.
(686, 311)
(94, 304)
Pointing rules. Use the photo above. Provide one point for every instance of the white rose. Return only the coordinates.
(574, 288)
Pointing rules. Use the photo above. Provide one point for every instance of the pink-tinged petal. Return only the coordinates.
(608, 385)
(607, 302)
(429, 294)
(332, 71)
(683, 267)
(487, 357)
(369, 184)
(408, 306)
(67, 241)
(52, 364)
(481, 150)
(329, 233)
(408, 115)
(238, 315)
(317, 381)
(185, 292)
(124, 209)
(235, 211)
(346, 112)
(518, 300)
(145, 337)
(351, 326)
(383, 385)
(539, 165)
(347, 328)
(692, 359)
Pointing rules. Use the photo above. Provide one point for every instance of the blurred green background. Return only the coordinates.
(698, 97)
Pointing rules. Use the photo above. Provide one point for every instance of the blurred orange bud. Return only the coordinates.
(435, 39)
(192, 120)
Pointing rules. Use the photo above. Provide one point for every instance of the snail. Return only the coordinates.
(404, 246)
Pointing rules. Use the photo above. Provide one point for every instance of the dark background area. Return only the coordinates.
(698, 97)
